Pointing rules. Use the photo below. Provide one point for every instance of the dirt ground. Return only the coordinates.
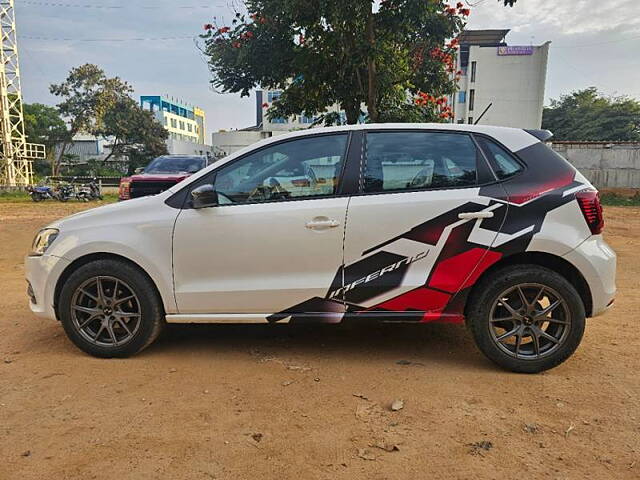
(231, 402)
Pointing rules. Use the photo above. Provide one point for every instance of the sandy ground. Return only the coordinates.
(312, 402)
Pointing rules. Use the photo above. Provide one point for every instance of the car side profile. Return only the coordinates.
(393, 222)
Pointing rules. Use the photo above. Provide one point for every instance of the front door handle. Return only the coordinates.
(322, 223)
(472, 215)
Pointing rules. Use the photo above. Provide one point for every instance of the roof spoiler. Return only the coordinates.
(542, 135)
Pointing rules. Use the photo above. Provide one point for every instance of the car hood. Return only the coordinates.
(110, 213)
(159, 177)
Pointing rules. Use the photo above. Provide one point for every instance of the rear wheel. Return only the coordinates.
(526, 318)
(109, 308)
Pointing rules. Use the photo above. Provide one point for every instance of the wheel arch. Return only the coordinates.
(547, 260)
(84, 260)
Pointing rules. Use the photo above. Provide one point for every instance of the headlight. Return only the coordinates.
(43, 241)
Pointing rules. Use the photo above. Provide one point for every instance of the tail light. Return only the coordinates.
(589, 201)
(124, 192)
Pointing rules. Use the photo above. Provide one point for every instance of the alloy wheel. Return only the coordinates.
(529, 321)
(106, 311)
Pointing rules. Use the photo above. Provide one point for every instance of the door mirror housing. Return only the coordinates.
(204, 196)
(138, 170)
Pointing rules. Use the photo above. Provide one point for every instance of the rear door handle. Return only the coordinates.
(472, 215)
(322, 223)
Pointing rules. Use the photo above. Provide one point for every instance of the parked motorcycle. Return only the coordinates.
(89, 191)
(39, 193)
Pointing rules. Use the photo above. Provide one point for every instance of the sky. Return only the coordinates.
(152, 45)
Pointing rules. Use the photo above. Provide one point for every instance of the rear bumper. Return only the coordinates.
(597, 263)
(42, 274)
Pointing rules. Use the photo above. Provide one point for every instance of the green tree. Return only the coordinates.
(589, 116)
(393, 58)
(87, 94)
(43, 124)
(135, 132)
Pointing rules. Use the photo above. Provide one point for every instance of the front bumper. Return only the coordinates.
(597, 263)
(42, 274)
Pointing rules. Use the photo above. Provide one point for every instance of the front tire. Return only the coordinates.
(109, 308)
(526, 318)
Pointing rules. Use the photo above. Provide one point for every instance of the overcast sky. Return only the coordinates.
(595, 42)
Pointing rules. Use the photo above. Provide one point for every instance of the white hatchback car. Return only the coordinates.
(395, 223)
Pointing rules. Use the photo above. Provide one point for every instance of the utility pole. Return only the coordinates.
(16, 155)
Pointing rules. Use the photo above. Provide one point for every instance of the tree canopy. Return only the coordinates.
(93, 103)
(397, 59)
(43, 124)
(586, 115)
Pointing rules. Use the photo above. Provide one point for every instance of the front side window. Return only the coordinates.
(502, 162)
(308, 167)
(402, 161)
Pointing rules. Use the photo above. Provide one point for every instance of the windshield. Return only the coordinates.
(169, 164)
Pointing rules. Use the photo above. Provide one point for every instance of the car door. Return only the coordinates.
(422, 226)
(274, 242)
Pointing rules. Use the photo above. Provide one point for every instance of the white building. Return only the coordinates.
(507, 81)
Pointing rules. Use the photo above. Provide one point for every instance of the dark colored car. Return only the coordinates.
(161, 174)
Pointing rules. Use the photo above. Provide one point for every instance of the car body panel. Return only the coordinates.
(218, 275)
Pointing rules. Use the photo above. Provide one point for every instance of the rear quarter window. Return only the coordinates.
(502, 161)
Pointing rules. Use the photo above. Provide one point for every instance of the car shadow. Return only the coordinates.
(399, 342)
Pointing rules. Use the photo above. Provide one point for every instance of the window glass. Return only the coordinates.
(308, 167)
(502, 162)
(418, 160)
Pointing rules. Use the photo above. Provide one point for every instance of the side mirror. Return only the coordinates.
(138, 170)
(204, 196)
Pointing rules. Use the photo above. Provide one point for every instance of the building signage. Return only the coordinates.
(515, 50)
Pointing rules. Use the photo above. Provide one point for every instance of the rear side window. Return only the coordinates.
(502, 162)
(402, 161)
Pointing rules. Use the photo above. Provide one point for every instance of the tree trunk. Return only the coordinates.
(352, 112)
(372, 91)
(55, 164)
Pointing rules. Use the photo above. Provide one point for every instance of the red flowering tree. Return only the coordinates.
(398, 59)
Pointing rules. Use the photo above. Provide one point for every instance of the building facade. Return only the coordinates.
(501, 84)
(185, 123)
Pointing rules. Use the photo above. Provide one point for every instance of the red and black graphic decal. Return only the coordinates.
(523, 203)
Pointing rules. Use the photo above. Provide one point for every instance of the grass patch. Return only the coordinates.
(611, 199)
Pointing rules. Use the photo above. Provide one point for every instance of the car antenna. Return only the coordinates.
(482, 114)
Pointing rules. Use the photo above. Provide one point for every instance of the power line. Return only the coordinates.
(113, 7)
(136, 39)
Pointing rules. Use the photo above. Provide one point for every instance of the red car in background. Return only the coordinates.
(160, 175)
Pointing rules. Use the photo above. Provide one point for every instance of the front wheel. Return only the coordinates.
(526, 318)
(109, 308)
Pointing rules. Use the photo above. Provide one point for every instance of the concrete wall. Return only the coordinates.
(180, 147)
(606, 165)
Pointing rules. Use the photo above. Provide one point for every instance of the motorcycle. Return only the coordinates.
(64, 192)
(39, 193)
(89, 191)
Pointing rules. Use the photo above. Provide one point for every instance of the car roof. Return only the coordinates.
(513, 138)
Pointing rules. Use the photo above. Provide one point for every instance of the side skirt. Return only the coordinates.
(312, 317)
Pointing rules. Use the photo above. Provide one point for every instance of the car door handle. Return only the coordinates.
(471, 215)
(322, 223)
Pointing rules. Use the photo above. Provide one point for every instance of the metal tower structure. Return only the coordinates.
(16, 155)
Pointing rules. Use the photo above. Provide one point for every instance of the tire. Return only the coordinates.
(36, 197)
(63, 198)
(527, 350)
(121, 328)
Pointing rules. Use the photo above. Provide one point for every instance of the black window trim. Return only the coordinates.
(181, 200)
(478, 184)
(486, 153)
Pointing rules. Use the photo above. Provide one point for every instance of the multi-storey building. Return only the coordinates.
(501, 84)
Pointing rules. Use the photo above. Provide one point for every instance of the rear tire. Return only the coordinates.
(507, 318)
(109, 308)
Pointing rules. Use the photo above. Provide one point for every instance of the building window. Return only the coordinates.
(279, 120)
(473, 71)
(461, 120)
(189, 127)
(462, 97)
(472, 99)
(166, 122)
(470, 120)
(174, 123)
(273, 95)
(181, 125)
(306, 119)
